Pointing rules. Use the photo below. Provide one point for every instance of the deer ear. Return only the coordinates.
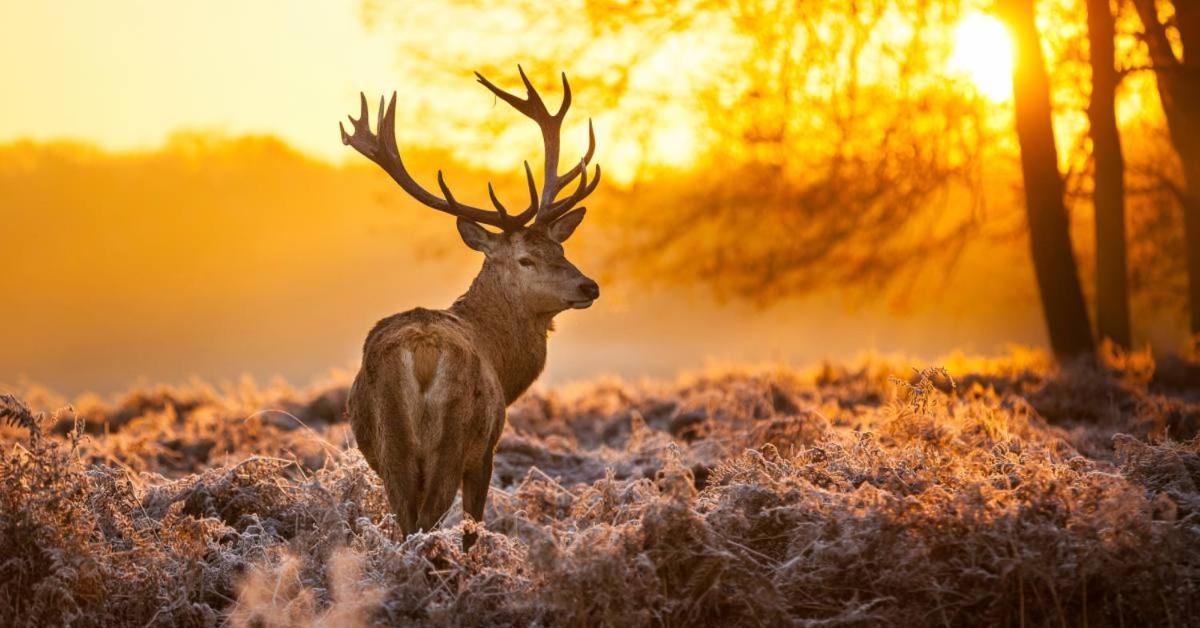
(562, 228)
(475, 236)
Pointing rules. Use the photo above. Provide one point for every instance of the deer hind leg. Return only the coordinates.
(440, 484)
(402, 481)
(441, 432)
(477, 478)
(398, 459)
(476, 481)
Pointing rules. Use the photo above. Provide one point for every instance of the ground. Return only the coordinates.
(1002, 491)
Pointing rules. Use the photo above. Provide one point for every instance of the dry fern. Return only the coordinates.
(991, 492)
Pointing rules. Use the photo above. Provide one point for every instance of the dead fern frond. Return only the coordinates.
(14, 412)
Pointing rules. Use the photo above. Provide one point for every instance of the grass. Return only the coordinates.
(985, 491)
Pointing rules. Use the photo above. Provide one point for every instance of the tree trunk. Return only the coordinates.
(1049, 236)
(1108, 195)
(1191, 234)
(1179, 90)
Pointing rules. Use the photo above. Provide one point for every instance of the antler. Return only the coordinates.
(381, 148)
(534, 108)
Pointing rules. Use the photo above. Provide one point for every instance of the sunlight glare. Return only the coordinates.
(674, 145)
(983, 51)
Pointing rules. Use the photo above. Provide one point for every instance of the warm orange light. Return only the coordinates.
(983, 52)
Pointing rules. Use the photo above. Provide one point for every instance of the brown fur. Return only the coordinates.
(428, 404)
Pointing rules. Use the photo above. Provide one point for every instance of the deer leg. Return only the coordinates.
(476, 482)
(402, 483)
(441, 483)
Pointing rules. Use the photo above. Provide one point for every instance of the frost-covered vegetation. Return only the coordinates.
(999, 491)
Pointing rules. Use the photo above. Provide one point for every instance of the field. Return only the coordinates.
(973, 491)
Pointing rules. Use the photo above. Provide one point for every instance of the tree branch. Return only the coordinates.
(1155, 35)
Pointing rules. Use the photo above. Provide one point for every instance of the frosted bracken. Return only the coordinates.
(1001, 491)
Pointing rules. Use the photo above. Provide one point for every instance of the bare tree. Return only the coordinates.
(825, 134)
(1049, 233)
(1178, 77)
(1108, 194)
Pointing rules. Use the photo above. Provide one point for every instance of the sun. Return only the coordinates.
(983, 51)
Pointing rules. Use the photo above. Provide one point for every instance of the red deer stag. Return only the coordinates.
(428, 404)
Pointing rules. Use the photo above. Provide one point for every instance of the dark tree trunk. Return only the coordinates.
(1108, 197)
(1191, 233)
(1179, 90)
(1049, 235)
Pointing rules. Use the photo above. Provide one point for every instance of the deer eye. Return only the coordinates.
(527, 262)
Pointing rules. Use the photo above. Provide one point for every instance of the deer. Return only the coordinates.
(429, 402)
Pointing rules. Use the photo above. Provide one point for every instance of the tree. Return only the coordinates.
(1049, 235)
(824, 131)
(1178, 79)
(1108, 194)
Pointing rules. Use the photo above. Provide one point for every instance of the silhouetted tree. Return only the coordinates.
(824, 135)
(1049, 233)
(1178, 77)
(1108, 194)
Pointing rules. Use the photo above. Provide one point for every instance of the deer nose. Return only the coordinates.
(590, 289)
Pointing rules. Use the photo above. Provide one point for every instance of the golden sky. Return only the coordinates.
(124, 74)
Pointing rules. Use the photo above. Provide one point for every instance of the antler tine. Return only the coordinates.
(566, 101)
(381, 120)
(531, 95)
(533, 196)
(381, 148)
(564, 205)
(530, 211)
(357, 126)
(450, 196)
(496, 202)
(587, 158)
(532, 105)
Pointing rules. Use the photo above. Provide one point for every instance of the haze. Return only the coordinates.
(176, 202)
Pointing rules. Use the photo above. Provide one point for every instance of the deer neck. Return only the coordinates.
(510, 337)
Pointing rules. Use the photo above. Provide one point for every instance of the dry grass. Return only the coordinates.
(989, 492)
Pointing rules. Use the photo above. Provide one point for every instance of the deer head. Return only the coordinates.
(525, 257)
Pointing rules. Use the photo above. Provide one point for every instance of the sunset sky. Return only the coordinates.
(124, 74)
